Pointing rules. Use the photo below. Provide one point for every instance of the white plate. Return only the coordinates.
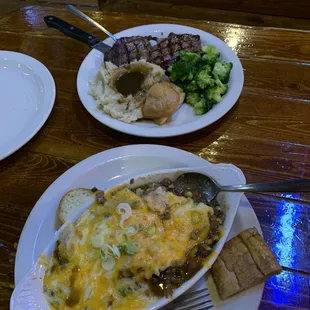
(27, 95)
(32, 285)
(107, 169)
(184, 120)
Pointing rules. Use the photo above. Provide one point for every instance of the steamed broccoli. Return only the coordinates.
(192, 86)
(190, 57)
(214, 94)
(222, 70)
(210, 54)
(181, 71)
(204, 78)
(192, 98)
(202, 106)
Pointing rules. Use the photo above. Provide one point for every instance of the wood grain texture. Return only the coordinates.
(286, 291)
(285, 227)
(5, 294)
(297, 8)
(186, 9)
(283, 44)
(266, 134)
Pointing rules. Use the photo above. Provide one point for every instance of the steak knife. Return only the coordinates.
(76, 33)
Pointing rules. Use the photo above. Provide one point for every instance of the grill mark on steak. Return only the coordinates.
(164, 53)
(127, 49)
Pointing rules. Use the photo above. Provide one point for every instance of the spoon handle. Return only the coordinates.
(301, 185)
(77, 12)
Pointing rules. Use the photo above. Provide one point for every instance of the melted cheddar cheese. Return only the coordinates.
(103, 261)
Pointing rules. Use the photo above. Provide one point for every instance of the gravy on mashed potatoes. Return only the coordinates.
(121, 91)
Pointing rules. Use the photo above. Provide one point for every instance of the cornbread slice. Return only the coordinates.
(244, 261)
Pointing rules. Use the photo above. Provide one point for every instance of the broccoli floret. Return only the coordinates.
(214, 94)
(204, 78)
(210, 54)
(202, 106)
(192, 86)
(181, 71)
(192, 98)
(222, 70)
(205, 68)
(190, 57)
(200, 111)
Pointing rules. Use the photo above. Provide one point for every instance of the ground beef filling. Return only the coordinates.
(174, 276)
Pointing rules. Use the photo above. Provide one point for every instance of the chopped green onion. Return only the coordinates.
(124, 210)
(116, 252)
(132, 230)
(109, 263)
(129, 248)
(151, 229)
(111, 250)
(97, 241)
(132, 204)
(104, 254)
(125, 290)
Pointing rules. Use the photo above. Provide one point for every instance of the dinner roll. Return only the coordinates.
(163, 99)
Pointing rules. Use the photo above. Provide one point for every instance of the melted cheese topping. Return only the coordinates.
(100, 265)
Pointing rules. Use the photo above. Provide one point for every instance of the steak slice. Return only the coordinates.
(164, 53)
(127, 49)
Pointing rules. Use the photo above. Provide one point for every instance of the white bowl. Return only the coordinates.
(28, 294)
(184, 120)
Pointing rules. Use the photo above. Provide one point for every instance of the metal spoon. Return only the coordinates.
(209, 188)
(77, 12)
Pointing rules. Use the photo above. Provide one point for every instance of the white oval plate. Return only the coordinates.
(27, 95)
(184, 120)
(107, 169)
(31, 286)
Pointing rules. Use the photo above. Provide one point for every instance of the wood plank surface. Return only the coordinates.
(266, 134)
(288, 291)
(244, 40)
(296, 8)
(185, 9)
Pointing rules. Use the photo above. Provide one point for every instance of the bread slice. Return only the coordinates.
(244, 261)
(72, 201)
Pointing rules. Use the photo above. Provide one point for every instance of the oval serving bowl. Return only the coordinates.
(28, 294)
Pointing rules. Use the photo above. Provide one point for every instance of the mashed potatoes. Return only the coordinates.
(111, 101)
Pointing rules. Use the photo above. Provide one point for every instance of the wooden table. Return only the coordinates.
(266, 134)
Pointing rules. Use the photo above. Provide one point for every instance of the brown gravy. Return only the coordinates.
(74, 296)
(129, 83)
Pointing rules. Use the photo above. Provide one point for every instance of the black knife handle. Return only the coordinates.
(71, 31)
